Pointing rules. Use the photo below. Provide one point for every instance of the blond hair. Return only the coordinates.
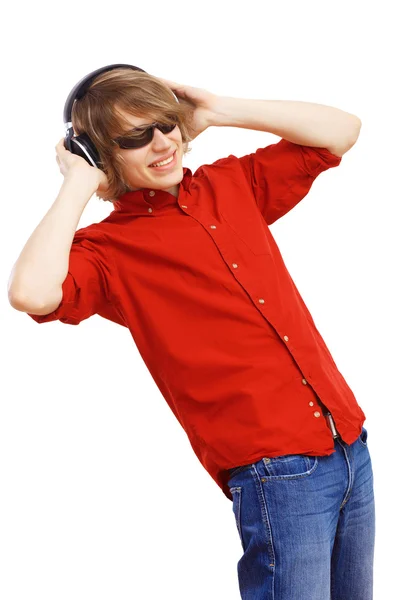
(138, 94)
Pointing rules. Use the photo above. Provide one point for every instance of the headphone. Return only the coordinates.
(81, 144)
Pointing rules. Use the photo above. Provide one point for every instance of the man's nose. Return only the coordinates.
(160, 138)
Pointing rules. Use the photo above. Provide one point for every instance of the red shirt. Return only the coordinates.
(201, 284)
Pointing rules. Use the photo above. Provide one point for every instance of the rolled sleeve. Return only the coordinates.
(86, 288)
(282, 174)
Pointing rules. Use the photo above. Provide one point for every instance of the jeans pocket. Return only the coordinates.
(362, 438)
(290, 466)
(236, 507)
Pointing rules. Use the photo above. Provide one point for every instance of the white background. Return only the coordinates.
(101, 494)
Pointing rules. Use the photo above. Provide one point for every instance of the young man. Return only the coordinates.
(188, 263)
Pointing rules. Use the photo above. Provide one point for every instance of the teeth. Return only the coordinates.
(164, 162)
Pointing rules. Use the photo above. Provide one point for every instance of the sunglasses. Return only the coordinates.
(143, 135)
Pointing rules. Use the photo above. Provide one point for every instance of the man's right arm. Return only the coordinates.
(35, 283)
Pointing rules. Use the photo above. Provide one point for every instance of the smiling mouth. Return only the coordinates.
(172, 160)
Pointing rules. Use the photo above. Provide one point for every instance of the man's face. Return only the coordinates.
(137, 169)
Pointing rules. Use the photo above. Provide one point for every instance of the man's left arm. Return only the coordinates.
(304, 123)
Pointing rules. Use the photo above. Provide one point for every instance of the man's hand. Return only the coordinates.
(203, 104)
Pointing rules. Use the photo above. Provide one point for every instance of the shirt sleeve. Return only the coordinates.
(86, 288)
(282, 174)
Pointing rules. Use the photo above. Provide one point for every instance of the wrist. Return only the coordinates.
(84, 180)
(222, 110)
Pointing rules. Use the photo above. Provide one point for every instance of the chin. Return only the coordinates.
(173, 178)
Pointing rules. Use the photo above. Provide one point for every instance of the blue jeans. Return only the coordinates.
(306, 525)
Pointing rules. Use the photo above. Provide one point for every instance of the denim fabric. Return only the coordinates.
(306, 525)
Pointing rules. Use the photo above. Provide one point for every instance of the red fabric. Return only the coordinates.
(201, 284)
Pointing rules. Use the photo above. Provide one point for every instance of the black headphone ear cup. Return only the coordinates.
(83, 146)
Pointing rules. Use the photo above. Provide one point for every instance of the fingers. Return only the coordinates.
(169, 83)
(60, 148)
(60, 145)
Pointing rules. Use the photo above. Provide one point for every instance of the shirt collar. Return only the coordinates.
(140, 201)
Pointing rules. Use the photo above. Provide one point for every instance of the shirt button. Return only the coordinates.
(234, 265)
(317, 414)
(150, 210)
(213, 227)
(304, 381)
(261, 300)
(152, 193)
(285, 337)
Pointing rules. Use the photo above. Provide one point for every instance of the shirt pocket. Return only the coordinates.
(250, 228)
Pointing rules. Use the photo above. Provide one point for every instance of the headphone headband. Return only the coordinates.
(81, 87)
